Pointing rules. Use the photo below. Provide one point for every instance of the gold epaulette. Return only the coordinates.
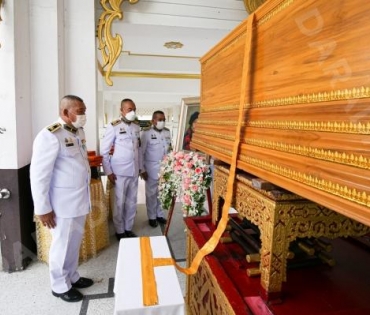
(147, 128)
(136, 122)
(54, 127)
(116, 122)
(165, 128)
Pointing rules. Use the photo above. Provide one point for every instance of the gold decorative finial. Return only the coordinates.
(252, 5)
(110, 46)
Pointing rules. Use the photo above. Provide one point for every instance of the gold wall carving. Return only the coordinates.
(109, 45)
(323, 154)
(359, 197)
(281, 217)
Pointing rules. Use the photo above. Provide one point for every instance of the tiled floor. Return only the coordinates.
(28, 292)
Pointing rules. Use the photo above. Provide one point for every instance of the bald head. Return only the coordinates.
(70, 106)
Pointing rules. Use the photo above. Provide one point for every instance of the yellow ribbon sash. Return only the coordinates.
(150, 296)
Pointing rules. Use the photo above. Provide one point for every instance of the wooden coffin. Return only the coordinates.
(305, 100)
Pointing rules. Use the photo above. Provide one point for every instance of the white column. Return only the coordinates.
(15, 90)
(80, 61)
(63, 60)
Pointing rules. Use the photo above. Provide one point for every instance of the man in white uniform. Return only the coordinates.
(122, 168)
(155, 143)
(60, 182)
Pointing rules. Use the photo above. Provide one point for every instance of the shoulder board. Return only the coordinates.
(165, 128)
(54, 127)
(116, 122)
(147, 128)
(136, 122)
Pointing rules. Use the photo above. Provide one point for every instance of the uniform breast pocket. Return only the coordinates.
(71, 151)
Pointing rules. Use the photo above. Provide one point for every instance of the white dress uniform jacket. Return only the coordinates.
(155, 145)
(126, 160)
(60, 172)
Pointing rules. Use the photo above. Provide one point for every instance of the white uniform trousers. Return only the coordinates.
(153, 205)
(125, 190)
(64, 252)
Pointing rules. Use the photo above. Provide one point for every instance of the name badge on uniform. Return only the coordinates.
(154, 136)
(122, 130)
(69, 142)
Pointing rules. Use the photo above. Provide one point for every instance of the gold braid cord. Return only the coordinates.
(110, 46)
(211, 244)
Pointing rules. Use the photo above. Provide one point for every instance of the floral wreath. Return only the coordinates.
(185, 174)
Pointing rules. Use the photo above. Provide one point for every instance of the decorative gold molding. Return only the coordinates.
(216, 135)
(154, 75)
(218, 122)
(359, 197)
(160, 56)
(337, 95)
(223, 108)
(283, 5)
(110, 46)
(213, 147)
(318, 153)
(157, 75)
(326, 126)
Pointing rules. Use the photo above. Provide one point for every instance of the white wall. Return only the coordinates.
(15, 99)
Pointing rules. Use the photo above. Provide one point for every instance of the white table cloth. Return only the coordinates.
(128, 288)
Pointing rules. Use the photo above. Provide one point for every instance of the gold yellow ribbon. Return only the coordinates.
(211, 244)
(150, 295)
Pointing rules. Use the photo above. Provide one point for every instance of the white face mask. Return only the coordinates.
(130, 116)
(80, 121)
(160, 125)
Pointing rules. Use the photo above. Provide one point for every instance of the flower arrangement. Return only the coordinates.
(187, 175)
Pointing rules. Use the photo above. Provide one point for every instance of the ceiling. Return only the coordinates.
(151, 73)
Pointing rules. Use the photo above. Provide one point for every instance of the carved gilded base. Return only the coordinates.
(281, 217)
(204, 295)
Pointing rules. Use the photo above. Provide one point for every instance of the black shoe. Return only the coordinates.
(153, 223)
(120, 235)
(72, 295)
(130, 234)
(162, 220)
(82, 283)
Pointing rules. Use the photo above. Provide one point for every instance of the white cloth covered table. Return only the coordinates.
(128, 288)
